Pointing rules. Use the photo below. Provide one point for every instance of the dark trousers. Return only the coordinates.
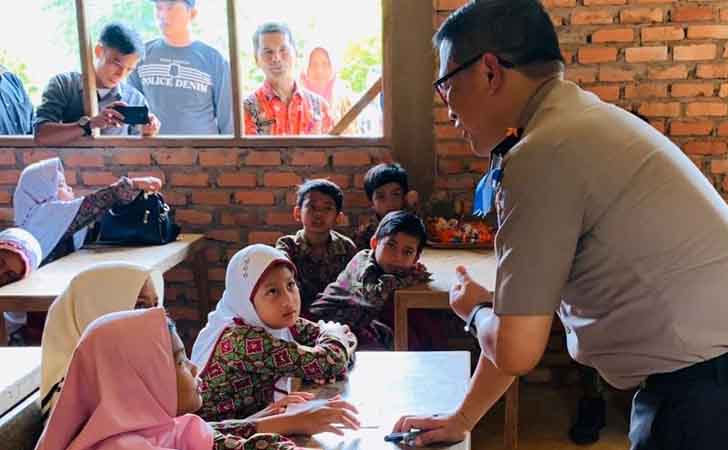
(683, 410)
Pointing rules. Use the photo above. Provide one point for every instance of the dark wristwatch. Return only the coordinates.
(470, 320)
(85, 123)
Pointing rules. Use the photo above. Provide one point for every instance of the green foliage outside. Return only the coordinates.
(20, 69)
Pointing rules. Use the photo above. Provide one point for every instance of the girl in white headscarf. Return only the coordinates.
(99, 290)
(20, 255)
(255, 339)
(46, 206)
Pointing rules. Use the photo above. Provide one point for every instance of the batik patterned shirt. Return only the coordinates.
(241, 435)
(267, 114)
(240, 377)
(316, 272)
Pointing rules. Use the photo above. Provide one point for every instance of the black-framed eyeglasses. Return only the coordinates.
(442, 89)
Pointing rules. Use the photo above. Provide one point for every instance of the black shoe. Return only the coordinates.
(590, 419)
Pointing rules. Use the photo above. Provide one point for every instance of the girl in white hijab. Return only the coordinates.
(20, 255)
(255, 339)
(99, 290)
(45, 205)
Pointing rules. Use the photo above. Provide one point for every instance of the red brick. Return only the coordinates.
(591, 55)
(7, 157)
(267, 158)
(175, 198)
(442, 115)
(692, 13)
(218, 158)
(98, 178)
(708, 32)
(479, 165)
(707, 109)
(450, 166)
(454, 183)
(719, 166)
(280, 218)
(9, 176)
(291, 198)
(175, 157)
(613, 35)
(568, 55)
(71, 177)
(724, 15)
(340, 179)
(447, 132)
(264, 237)
(645, 90)
(616, 74)
(645, 54)
(129, 157)
(694, 52)
(146, 173)
(83, 159)
(211, 197)
(581, 74)
(255, 197)
(559, 3)
(641, 15)
(190, 179)
(236, 179)
(6, 215)
(705, 148)
(192, 216)
(723, 92)
(691, 128)
(309, 158)
(663, 34)
(454, 148)
(217, 274)
(356, 199)
(238, 218)
(556, 20)
(223, 235)
(355, 158)
(604, 2)
(606, 93)
(673, 72)
(281, 179)
(179, 275)
(5, 197)
(32, 156)
(724, 184)
(660, 109)
(723, 129)
(712, 71)
(592, 17)
(359, 181)
(692, 90)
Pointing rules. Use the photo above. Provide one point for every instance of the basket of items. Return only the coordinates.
(448, 227)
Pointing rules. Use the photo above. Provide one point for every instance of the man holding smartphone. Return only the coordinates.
(60, 117)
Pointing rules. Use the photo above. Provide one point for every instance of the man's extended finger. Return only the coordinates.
(421, 423)
(343, 404)
(462, 274)
(332, 429)
(429, 437)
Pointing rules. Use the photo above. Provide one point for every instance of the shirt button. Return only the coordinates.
(568, 330)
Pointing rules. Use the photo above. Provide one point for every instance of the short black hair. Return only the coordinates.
(402, 222)
(382, 174)
(518, 31)
(122, 38)
(272, 27)
(323, 186)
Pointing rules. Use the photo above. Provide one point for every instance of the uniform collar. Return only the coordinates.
(270, 94)
(335, 246)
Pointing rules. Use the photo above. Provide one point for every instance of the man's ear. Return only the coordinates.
(297, 214)
(494, 71)
(340, 218)
(373, 243)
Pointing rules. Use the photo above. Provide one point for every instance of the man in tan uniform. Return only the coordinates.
(603, 220)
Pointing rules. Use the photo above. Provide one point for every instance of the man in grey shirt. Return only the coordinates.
(60, 117)
(186, 82)
(602, 219)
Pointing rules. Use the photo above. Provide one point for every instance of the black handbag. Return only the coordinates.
(147, 220)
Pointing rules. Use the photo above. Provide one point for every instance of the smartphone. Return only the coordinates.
(134, 115)
(404, 437)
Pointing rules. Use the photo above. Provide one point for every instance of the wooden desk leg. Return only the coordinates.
(201, 282)
(3, 332)
(400, 322)
(510, 428)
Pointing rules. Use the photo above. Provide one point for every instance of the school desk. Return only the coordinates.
(19, 375)
(387, 385)
(481, 265)
(37, 292)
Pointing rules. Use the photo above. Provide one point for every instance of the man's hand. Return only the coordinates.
(436, 428)
(466, 293)
(108, 117)
(147, 184)
(152, 128)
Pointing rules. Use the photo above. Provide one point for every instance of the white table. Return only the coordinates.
(19, 375)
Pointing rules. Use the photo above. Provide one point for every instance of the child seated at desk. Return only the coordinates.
(99, 290)
(255, 340)
(318, 252)
(46, 206)
(363, 294)
(20, 255)
(387, 189)
(131, 386)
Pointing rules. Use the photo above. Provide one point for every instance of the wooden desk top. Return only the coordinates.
(481, 265)
(37, 291)
(20, 375)
(386, 385)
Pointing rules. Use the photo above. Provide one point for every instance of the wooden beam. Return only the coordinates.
(387, 69)
(357, 108)
(90, 98)
(235, 71)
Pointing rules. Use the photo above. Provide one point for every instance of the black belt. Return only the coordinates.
(711, 369)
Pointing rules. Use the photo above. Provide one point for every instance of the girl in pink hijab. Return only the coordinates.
(130, 386)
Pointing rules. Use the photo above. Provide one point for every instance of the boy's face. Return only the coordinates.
(12, 267)
(65, 192)
(277, 300)
(317, 213)
(387, 198)
(396, 253)
(147, 296)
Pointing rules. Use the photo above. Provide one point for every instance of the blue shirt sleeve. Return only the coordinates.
(223, 98)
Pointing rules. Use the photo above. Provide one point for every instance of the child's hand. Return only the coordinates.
(147, 184)
(279, 406)
(325, 418)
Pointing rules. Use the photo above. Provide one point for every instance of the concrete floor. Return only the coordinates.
(545, 415)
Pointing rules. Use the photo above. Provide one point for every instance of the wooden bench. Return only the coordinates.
(481, 265)
(387, 385)
(37, 292)
(20, 417)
